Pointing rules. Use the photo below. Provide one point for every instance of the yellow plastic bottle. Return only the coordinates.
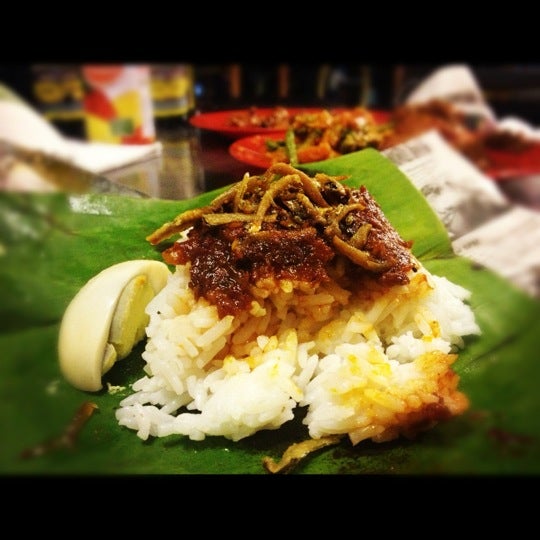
(173, 94)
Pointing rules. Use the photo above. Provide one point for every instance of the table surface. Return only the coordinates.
(193, 161)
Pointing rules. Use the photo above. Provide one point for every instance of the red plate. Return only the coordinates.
(220, 121)
(252, 150)
(507, 164)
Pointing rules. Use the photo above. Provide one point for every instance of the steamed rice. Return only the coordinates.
(366, 365)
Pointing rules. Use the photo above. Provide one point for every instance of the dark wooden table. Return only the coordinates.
(193, 161)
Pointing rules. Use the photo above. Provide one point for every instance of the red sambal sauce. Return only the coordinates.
(225, 261)
(284, 225)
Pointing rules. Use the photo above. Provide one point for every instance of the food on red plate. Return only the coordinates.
(294, 294)
(475, 138)
(326, 134)
(277, 118)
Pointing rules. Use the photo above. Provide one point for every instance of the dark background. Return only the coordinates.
(510, 89)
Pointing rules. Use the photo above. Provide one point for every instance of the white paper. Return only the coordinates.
(23, 126)
(455, 84)
(461, 195)
(508, 245)
(482, 224)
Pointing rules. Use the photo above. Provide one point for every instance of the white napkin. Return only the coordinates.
(456, 84)
(519, 126)
(23, 126)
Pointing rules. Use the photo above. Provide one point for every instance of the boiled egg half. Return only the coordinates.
(106, 319)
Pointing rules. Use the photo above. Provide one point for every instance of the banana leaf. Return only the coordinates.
(51, 244)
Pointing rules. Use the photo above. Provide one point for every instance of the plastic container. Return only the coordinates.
(118, 105)
(173, 94)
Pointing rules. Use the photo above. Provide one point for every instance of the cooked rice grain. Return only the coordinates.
(374, 367)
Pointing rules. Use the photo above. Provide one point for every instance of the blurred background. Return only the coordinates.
(179, 90)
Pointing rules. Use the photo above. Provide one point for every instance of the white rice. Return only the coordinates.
(365, 367)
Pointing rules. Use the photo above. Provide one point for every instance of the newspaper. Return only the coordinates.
(482, 223)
